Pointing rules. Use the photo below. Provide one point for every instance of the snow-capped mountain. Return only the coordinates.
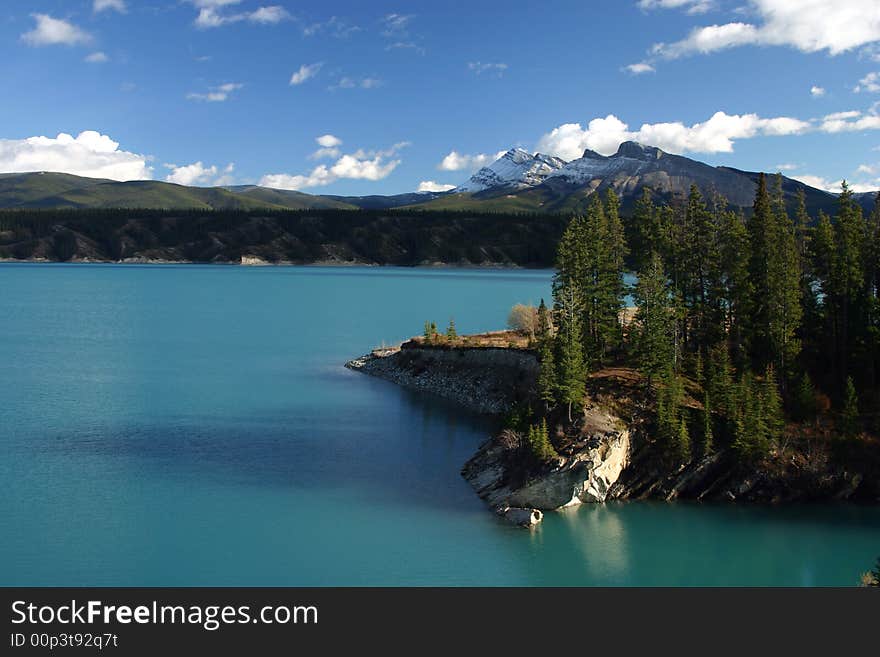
(516, 169)
(631, 168)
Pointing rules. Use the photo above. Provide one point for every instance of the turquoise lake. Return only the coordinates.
(194, 425)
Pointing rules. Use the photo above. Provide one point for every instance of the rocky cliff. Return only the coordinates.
(585, 474)
(484, 379)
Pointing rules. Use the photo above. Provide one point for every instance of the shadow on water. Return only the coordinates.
(411, 448)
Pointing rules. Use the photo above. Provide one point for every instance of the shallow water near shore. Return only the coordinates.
(194, 425)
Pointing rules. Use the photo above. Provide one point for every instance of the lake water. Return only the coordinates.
(194, 425)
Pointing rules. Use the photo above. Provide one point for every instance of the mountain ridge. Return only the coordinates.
(518, 181)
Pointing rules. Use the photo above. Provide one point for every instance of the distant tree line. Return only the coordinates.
(395, 237)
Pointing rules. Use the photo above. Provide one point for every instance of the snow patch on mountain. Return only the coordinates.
(516, 169)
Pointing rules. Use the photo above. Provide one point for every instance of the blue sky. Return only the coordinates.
(403, 95)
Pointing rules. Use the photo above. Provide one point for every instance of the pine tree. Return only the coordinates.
(847, 280)
(784, 287)
(427, 333)
(671, 427)
(451, 333)
(707, 445)
(572, 371)
(539, 444)
(872, 278)
(719, 380)
(760, 229)
(849, 417)
(647, 237)
(547, 374)
(804, 403)
(736, 290)
(544, 328)
(771, 406)
(568, 303)
(653, 320)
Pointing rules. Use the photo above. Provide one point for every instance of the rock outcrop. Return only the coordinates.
(487, 380)
(585, 475)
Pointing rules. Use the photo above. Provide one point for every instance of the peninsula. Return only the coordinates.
(744, 372)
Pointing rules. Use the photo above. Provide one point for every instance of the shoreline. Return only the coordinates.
(602, 457)
(319, 263)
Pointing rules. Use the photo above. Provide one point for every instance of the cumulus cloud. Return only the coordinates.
(50, 31)
(104, 5)
(89, 154)
(817, 92)
(479, 68)
(807, 25)
(851, 121)
(360, 165)
(216, 94)
(97, 58)
(431, 186)
(305, 72)
(716, 135)
(456, 161)
(329, 147)
(870, 83)
(198, 174)
(639, 68)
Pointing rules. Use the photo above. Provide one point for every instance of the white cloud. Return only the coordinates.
(691, 6)
(356, 83)
(116, 5)
(54, 31)
(869, 83)
(97, 58)
(837, 116)
(334, 27)
(488, 67)
(269, 15)
(817, 92)
(806, 25)
(716, 135)
(198, 174)
(360, 165)
(431, 186)
(211, 14)
(639, 68)
(456, 161)
(834, 185)
(305, 72)
(406, 45)
(852, 121)
(396, 24)
(786, 167)
(89, 154)
(868, 169)
(329, 147)
(216, 94)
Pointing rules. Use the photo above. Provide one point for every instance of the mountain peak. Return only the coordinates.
(637, 151)
(516, 169)
(517, 155)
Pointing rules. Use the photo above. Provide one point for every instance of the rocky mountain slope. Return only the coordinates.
(519, 181)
